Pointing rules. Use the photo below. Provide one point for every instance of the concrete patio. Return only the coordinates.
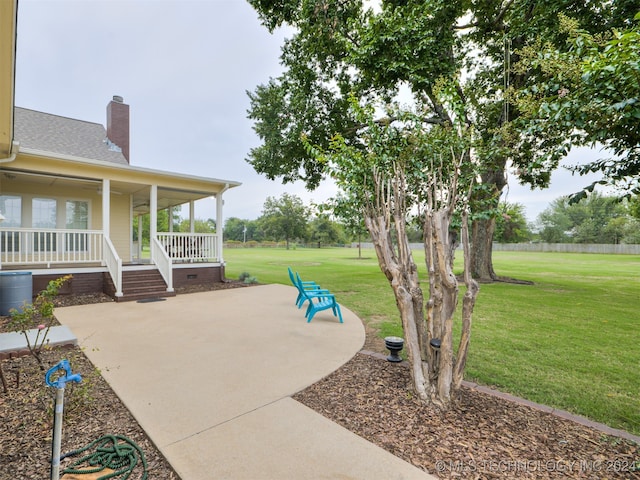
(209, 376)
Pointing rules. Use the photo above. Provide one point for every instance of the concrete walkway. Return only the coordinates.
(209, 376)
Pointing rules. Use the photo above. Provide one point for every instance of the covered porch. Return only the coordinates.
(65, 223)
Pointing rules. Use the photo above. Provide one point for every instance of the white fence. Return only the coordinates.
(548, 247)
(567, 248)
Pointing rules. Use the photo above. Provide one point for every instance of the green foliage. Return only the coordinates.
(199, 225)
(37, 315)
(284, 218)
(162, 224)
(595, 219)
(348, 213)
(242, 230)
(511, 224)
(343, 48)
(246, 277)
(323, 231)
(586, 92)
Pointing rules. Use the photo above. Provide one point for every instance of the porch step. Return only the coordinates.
(143, 284)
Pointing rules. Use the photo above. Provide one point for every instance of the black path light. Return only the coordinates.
(435, 344)
(394, 345)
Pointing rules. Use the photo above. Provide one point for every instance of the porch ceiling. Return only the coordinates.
(167, 197)
(140, 194)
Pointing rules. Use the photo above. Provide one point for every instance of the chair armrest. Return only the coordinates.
(319, 293)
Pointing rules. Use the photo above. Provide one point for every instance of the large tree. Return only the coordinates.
(402, 168)
(284, 218)
(323, 231)
(341, 47)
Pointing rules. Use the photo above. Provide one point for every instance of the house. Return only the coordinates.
(69, 196)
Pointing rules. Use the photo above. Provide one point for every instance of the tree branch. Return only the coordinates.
(493, 22)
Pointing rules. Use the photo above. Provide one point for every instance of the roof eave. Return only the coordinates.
(125, 168)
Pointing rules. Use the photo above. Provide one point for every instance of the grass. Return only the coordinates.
(570, 341)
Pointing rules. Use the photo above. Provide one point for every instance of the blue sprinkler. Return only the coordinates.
(59, 384)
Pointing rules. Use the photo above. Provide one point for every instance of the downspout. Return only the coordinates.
(15, 147)
(219, 220)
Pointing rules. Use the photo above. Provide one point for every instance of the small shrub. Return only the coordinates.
(243, 276)
(38, 314)
(250, 280)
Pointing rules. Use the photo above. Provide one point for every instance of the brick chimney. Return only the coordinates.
(118, 124)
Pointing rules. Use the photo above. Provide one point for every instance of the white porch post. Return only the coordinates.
(219, 204)
(153, 216)
(192, 217)
(106, 207)
(139, 237)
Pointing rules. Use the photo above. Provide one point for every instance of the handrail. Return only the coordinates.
(114, 264)
(160, 258)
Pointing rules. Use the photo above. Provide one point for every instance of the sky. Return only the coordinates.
(184, 67)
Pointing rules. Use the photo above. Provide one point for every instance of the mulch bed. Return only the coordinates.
(91, 410)
(479, 436)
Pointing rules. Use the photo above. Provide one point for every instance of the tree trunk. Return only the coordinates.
(482, 251)
(401, 272)
(482, 229)
(468, 302)
(434, 371)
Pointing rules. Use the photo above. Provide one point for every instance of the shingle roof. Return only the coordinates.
(52, 133)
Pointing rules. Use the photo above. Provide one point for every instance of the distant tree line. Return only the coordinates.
(595, 219)
(289, 220)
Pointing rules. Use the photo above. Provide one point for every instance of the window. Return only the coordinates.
(43, 211)
(43, 216)
(11, 209)
(77, 213)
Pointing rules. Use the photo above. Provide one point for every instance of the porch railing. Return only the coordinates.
(49, 246)
(161, 259)
(114, 264)
(190, 247)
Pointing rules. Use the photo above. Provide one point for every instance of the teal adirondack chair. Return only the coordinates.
(309, 286)
(319, 300)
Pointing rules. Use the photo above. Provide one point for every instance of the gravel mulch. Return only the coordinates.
(480, 437)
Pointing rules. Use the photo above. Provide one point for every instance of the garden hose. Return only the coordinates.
(115, 452)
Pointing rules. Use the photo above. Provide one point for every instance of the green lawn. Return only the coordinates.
(571, 341)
